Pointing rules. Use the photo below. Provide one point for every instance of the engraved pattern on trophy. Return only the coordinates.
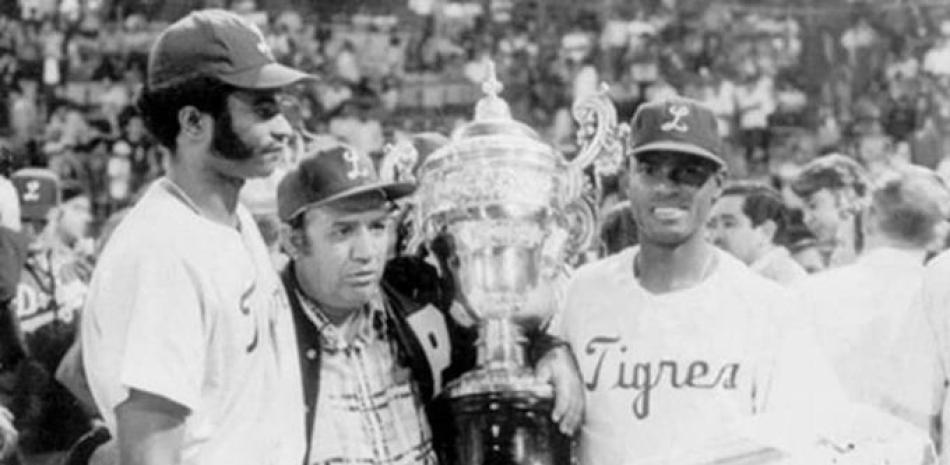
(516, 210)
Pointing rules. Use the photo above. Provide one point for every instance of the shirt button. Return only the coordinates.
(311, 354)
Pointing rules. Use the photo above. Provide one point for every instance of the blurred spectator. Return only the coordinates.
(834, 190)
(749, 221)
(858, 307)
(754, 103)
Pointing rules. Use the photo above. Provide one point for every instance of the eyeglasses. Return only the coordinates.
(686, 171)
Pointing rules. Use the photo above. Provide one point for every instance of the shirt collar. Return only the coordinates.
(371, 323)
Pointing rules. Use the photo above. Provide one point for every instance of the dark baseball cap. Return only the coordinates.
(676, 124)
(38, 190)
(220, 44)
(332, 174)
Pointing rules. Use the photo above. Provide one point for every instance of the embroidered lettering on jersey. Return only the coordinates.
(611, 371)
(246, 311)
(676, 124)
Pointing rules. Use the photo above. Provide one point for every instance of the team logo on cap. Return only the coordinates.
(32, 193)
(678, 112)
(357, 169)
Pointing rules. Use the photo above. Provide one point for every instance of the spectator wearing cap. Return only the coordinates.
(358, 332)
(187, 341)
(858, 307)
(50, 292)
(749, 221)
(679, 343)
(834, 190)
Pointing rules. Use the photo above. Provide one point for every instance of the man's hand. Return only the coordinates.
(8, 434)
(559, 368)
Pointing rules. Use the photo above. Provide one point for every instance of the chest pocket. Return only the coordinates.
(429, 326)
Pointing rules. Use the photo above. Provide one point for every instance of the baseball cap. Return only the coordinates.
(676, 124)
(219, 44)
(332, 174)
(39, 191)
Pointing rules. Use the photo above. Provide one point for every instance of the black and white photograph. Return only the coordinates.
(474, 232)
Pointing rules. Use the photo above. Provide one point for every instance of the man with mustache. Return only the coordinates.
(373, 358)
(187, 339)
(679, 343)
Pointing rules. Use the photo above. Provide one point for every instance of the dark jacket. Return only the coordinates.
(398, 309)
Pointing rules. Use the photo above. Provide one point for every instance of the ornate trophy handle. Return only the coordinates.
(602, 142)
(398, 161)
(598, 122)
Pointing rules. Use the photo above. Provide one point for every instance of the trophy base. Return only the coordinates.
(507, 428)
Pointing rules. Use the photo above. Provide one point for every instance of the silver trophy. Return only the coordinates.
(516, 210)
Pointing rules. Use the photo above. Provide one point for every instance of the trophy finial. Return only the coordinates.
(491, 106)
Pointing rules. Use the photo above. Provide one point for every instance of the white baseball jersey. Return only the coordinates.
(192, 311)
(669, 374)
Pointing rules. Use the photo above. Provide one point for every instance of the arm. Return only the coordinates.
(559, 368)
(150, 429)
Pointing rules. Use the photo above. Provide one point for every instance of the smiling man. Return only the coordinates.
(187, 338)
(679, 343)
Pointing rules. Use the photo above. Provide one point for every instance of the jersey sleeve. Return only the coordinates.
(164, 351)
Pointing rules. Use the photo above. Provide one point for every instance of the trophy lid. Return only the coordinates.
(492, 115)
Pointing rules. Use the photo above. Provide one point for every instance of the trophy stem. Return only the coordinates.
(500, 344)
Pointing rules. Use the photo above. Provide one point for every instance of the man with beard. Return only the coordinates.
(680, 345)
(372, 357)
(187, 340)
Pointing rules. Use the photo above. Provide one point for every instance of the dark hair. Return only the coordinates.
(761, 203)
(160, 107)
(834, 171)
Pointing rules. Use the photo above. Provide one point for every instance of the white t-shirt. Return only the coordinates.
(857, 311)
(191, 310)
(669, 374)
(921, 355)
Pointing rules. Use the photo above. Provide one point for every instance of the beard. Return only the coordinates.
(226, 143)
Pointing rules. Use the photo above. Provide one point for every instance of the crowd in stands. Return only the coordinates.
(786, 88)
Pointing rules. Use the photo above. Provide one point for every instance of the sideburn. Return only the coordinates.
(226, 143)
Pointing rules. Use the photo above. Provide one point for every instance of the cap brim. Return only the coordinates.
(670, 146)
(269, 76)
(391, 190)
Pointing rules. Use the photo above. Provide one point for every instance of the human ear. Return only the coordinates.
(192, 122)
(292, 241)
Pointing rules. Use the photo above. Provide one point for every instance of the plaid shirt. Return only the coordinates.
(368, 407)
